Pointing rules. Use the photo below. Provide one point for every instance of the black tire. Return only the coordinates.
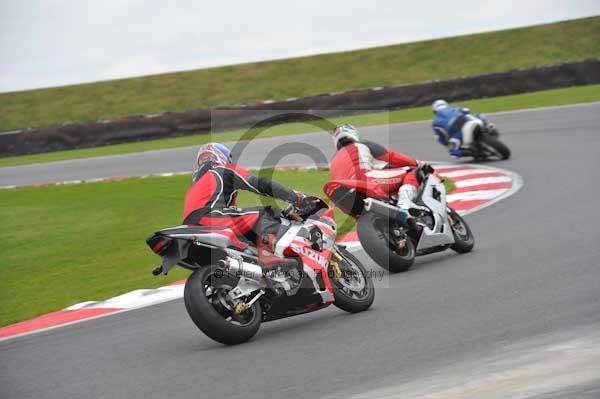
(373, 233)
(493, 132)
(463, 237)
(492, 144)
(205, 315)
(348, 300)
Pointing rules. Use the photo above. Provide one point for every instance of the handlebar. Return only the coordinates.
(310, 206)
(289, 212)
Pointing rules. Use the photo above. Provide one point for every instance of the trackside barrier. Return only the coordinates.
(171, 124)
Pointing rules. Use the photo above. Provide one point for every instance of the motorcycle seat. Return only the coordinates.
(213, 235)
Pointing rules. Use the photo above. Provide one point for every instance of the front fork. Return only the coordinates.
(335, 266)
(451, 220)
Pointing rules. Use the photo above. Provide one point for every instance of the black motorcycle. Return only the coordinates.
(487, 145)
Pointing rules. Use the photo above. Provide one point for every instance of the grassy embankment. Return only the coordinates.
(294, 77)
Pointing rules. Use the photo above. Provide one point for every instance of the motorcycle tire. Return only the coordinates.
(205, 315)
(346, 302)
(463, 237)
(495, 146)
(373, 233)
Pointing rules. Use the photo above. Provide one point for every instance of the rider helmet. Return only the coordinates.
(438, 105)
(345, 134)
(214, 152)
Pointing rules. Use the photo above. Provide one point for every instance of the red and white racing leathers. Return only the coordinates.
(372, 162)
(367, 160)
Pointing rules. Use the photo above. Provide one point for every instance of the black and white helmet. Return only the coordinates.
(345, 133)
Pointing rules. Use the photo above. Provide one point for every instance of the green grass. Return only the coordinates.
(390, 65)
(62, 245)
(66, 244)
(572, 95)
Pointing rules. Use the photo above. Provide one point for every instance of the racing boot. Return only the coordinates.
(283, 274)
(406, 194)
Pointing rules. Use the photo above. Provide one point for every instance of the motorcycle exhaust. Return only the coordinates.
(382, 208)
(240, 268)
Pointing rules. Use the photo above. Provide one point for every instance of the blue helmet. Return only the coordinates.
(214, 152)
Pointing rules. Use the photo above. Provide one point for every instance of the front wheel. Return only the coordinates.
(463, 237)
(353, 289)
(377, 236)
(206, 303)
(494, 146)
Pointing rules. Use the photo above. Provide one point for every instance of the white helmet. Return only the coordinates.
(345, 133)
(438, 105)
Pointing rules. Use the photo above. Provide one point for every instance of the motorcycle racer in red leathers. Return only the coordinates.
(358, 159)
(210, 201)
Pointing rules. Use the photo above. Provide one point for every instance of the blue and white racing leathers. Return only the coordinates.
(454, 128)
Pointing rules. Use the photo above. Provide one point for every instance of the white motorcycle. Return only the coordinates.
(435, 226)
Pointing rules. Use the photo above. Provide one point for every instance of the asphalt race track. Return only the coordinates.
(529, 295)
(316, 148)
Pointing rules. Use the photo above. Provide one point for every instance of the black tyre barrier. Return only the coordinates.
(172, 124)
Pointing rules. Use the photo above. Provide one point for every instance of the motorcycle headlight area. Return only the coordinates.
(314, 236)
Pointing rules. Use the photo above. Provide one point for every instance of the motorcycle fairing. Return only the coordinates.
(441, 233)
(326, 225)
(314, 266)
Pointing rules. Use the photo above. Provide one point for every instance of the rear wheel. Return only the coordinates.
(463, 237)
(493, 145)
(390, 247)
(354, 290)
(206, 303)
